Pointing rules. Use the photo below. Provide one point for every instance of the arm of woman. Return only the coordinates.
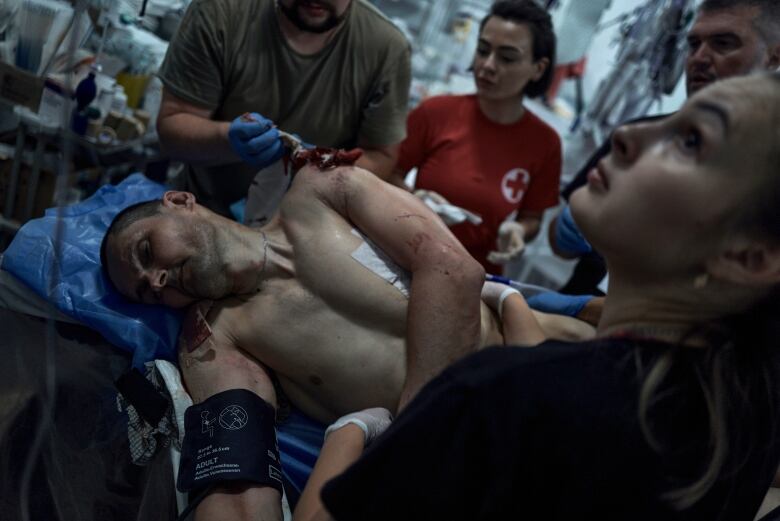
(521, 328)
(341, 448)
(344, 442)
(518, 322)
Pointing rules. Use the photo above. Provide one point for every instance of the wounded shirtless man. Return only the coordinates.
(354, 296)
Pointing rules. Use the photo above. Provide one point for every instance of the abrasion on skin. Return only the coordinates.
(195, 328)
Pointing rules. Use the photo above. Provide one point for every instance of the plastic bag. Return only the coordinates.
(80, 288)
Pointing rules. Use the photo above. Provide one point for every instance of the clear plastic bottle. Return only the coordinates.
(106, 86)
(119, 103)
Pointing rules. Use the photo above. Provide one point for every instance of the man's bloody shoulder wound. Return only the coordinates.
(195, 329)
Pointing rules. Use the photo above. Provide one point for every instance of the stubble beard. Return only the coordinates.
(208, 274)
(293, 15)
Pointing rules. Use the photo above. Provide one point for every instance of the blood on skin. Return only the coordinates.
(325, 158)
(417, 241)
(195, 330)
(409, 216)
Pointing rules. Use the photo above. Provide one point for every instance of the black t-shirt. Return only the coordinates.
(553, 433)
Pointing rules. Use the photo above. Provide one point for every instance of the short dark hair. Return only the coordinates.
(767, 23)
(539, 22)
(133, 213)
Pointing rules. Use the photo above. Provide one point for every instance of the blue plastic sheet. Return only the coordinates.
(150, 332)
(300, 439)
(80, 288)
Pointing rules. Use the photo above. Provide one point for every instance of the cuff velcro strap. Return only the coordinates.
(229, 437)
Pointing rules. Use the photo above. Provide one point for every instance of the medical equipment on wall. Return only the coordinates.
(649, 63)
(42, 32)
(577, 24)
(42, 26)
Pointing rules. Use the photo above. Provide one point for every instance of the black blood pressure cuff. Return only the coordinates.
(229, 437)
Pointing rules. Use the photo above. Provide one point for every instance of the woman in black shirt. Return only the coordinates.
(672, 412)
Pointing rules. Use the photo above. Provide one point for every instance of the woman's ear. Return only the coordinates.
(174, 199)
(773, 58)
(748, 263)
(541, 66)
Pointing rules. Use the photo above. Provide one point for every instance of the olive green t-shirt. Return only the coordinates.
(230, 56)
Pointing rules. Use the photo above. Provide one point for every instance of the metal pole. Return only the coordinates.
(13, 181)
(32, 185)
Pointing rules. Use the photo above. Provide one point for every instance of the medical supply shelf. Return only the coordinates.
(107, 159)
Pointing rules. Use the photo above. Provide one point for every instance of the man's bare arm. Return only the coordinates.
(210, 364)
(187, 132)
(443, 319)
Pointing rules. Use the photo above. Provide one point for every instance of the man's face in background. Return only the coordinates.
(724, 43)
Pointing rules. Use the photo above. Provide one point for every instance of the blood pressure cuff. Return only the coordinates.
(229, 437)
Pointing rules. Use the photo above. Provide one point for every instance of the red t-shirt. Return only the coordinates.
(482, 166)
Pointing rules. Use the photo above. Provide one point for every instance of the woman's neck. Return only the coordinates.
(664, 312)
(503, 112)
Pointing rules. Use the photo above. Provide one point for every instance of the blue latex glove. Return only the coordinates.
(237, 210)
(568, 237)
(558, 303)
(257, 142)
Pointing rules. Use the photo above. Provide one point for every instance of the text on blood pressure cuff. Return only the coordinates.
(229, 437)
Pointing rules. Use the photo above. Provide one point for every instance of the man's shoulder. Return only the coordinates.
(314, 191)
(196, 327)
(376, 30)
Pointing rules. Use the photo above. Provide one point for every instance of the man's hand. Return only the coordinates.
(255, 140)
(372, 422)
(511, 243)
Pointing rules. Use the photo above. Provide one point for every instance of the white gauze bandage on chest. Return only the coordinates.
(378, 262)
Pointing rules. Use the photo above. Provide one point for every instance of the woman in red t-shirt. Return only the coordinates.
(486, 152)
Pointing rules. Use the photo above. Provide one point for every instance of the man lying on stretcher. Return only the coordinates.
(354, 295)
